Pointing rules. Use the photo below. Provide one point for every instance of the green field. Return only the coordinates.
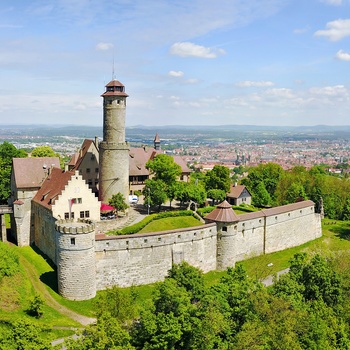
(171, 223)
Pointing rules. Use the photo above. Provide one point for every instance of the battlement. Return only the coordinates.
(74, 227)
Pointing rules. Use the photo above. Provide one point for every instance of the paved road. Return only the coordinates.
(268, 281)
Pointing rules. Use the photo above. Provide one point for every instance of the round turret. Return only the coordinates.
(226, 220)
(76, 271)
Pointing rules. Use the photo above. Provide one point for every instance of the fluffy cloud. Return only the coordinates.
(343, 56)
(337, 90)
(336, 30)
(248, 83)
(104, 46)
(188, 49)
(174, 73)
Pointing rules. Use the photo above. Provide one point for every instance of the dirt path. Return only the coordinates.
(49, 300)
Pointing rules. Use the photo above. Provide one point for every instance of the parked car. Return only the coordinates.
(133, 199)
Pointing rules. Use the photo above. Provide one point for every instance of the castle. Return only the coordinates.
(57, 212)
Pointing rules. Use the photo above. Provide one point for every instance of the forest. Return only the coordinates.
(308, 308)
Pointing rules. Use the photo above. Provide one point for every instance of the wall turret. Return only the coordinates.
(226, 223)
(76, 270)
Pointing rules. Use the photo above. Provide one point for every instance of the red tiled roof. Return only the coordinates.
(222, 213)
(53, 186)
(31, 172)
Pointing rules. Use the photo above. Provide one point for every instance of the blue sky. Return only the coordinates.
(183, 62)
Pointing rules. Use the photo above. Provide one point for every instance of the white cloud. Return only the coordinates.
(336, 30)
(333, 2)
(282, 92)
(174, 73)
(192, 81)
(188, 49)
(343, 56)
(248, 83)
(104, 46)
(337, 90)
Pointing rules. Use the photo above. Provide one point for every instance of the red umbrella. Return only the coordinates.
(106, 208)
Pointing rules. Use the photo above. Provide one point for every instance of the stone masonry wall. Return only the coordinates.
(146, 258)
(292, 229)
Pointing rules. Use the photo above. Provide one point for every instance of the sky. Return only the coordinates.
(183, 62)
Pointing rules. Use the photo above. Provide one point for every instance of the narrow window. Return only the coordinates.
(66, 215)
(72, 215)
(81, 215)
(72, 241)
(87, 214)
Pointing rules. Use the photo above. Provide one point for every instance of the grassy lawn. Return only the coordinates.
(16, 294)
(171, 223)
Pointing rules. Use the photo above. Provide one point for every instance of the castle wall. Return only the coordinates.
(249, 240)
(44, 230)
(291, 229)
(146, 258)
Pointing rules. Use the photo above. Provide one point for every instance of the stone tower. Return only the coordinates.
(114, 150)
(75, 254)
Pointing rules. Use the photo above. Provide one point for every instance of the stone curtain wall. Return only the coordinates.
(146, 258)
(142, 259)
(292, 229)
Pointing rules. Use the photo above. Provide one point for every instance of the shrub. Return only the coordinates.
(9, 262)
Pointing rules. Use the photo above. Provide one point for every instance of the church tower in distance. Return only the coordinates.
(114, 150)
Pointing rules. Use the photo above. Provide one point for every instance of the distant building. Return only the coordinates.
(238, 195)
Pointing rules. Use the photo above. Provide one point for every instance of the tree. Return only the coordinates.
(44, 151)
(216, 195)
(25, 335)
(218, 178)
(190, 278)
(107, 333)
(155, 192)
(196, 193)
(118, 202)
(7, 152)
(260, 196)
(163, 167)
(36, 306)
(269, 175)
